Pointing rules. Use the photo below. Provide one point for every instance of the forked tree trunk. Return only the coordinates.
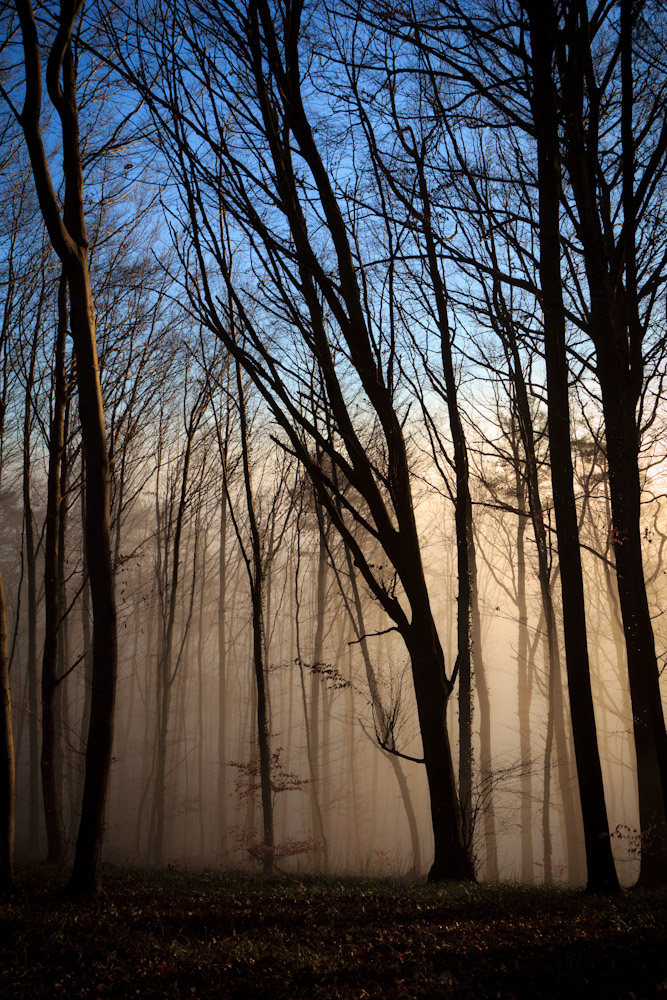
(68, 236)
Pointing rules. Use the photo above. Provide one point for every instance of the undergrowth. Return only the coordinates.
(184, 934)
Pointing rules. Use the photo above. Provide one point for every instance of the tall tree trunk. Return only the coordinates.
(462, 513)
(451, 860)
(86, 634)
(7, 748)
(222, 680)
(52, 592)
(469, 648)
(316, 803)
(31, 566)
(201, 732)
(69, 239)
(167, 668)
(7, 764)
(556, 723)
(601, 870)
(486, 777)
(256, 569)
(85, 872)
(617, 333)
(547, 840)
(524, 686)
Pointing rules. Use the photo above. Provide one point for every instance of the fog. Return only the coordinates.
(332, 439)
(341, 802)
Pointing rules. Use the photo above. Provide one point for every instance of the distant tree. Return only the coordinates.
(172, 503)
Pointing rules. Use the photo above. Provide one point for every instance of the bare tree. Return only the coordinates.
(67, 231)
(315, 289)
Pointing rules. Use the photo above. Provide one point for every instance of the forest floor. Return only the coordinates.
(185, 934)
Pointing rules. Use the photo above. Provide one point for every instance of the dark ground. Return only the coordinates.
(218, 934)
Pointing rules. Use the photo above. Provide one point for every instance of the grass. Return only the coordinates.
(188, 934)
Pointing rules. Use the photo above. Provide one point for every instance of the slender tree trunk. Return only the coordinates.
(86, 633)
(256, 569)
(524, 672)
(62, 760)
(486, 777)
(167, 668)
(222, 680)
(165, 684)
(148, 761)
(7, 748)
(316, 803)
(200, 699)
(555, 724)
(31, 565)
(462, 516)
(546, 784)
(7, 763)
(52, 593)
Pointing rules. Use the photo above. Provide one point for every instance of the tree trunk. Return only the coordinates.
(451, 860)
(524, 688)
(381, 716)
(200, 697)
(85, 872)
(256, 569)
(7, 763)
(601, 870)
(617, 334)
(52, 593)
(316, 804)
(222, 680)
(486, 776)
(69, 239)
(31, 565)
(555, 723)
